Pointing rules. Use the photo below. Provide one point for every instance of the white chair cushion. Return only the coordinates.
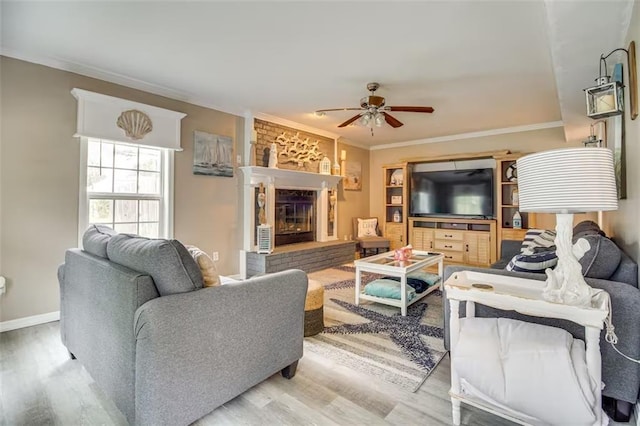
(533, 369)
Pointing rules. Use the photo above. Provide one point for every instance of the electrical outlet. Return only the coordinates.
(216, 256)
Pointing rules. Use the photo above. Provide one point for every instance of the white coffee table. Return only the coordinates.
(385, 264)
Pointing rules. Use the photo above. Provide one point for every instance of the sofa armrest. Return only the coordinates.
(621, 377)
(509, 248)
(197, 350)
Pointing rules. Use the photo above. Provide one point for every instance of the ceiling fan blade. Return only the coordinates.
(410, 109)
(338, 109)
(349, 121)
(393, 122)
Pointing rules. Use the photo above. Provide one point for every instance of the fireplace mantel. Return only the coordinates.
(273, 179)
(288, 179)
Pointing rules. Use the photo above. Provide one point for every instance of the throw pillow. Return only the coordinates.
(419, 280)
(367, 227)
(533, 262)
(537, 240)
(388, 289)
(167, 261)
(428, 277)
(602, 259)
(95, 239)
(586, 227)
(207, 267)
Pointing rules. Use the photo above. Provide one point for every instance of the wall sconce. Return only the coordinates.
(594, 141)
(607, 98)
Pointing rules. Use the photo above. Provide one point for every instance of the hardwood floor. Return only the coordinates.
(41, 385)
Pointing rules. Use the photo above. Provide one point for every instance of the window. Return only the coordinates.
(126, 187)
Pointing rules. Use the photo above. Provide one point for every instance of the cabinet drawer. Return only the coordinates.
(442, 234)
(448, 245)
(453, 256)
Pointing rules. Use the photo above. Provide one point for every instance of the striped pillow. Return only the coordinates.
(538, 240)
(533, 262)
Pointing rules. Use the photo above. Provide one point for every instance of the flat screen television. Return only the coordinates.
(453, 193)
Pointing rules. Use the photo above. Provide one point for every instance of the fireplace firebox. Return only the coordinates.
(295, 216)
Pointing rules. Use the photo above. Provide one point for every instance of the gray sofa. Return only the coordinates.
(169, 353)
(621, 377)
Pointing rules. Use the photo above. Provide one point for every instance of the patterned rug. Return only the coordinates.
(374, 338)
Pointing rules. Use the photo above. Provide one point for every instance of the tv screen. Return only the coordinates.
(452, 192)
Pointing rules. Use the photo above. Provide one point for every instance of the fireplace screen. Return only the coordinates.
(295, 216)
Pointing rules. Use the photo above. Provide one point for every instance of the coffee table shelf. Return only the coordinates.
(385, 264)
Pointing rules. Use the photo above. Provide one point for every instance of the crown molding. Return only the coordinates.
(493, 132)
(112, 77)
(344, 141)
(293, 124)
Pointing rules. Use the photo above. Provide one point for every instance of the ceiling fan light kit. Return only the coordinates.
(373, 111)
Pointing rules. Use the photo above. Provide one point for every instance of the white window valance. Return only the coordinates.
(107, 117)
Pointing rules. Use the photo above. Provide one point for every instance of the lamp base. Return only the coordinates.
(565, 283)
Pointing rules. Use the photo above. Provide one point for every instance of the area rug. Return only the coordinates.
(374, 338)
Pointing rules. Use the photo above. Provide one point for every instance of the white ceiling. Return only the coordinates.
(482, 65)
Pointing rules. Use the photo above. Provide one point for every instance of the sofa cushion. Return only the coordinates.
(208, 269)
(95, 239)
(602, 259)
(167, 261)
(537, 262)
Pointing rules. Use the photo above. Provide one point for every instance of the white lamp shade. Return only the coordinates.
(573, 180)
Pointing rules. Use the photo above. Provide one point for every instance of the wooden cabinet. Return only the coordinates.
(477, 249)
(467, 241)
(395, 233)
(507, 200)
(396, 204)
(421, 238)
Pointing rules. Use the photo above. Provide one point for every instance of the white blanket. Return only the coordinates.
(533, 371)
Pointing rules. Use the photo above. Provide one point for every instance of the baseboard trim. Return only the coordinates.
(29, 321)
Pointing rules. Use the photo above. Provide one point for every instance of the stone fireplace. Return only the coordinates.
(302, 213)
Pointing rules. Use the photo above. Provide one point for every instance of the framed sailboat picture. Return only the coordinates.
(212, 154)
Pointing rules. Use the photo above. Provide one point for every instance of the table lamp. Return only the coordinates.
(567, 181)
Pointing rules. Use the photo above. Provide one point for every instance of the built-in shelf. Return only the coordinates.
(506, 208)
(395, 214)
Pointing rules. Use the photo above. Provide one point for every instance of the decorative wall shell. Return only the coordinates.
(136, 124)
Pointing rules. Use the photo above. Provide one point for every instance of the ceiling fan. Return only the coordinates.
(374, 111)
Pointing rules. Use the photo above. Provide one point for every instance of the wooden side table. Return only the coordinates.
(524, 296)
